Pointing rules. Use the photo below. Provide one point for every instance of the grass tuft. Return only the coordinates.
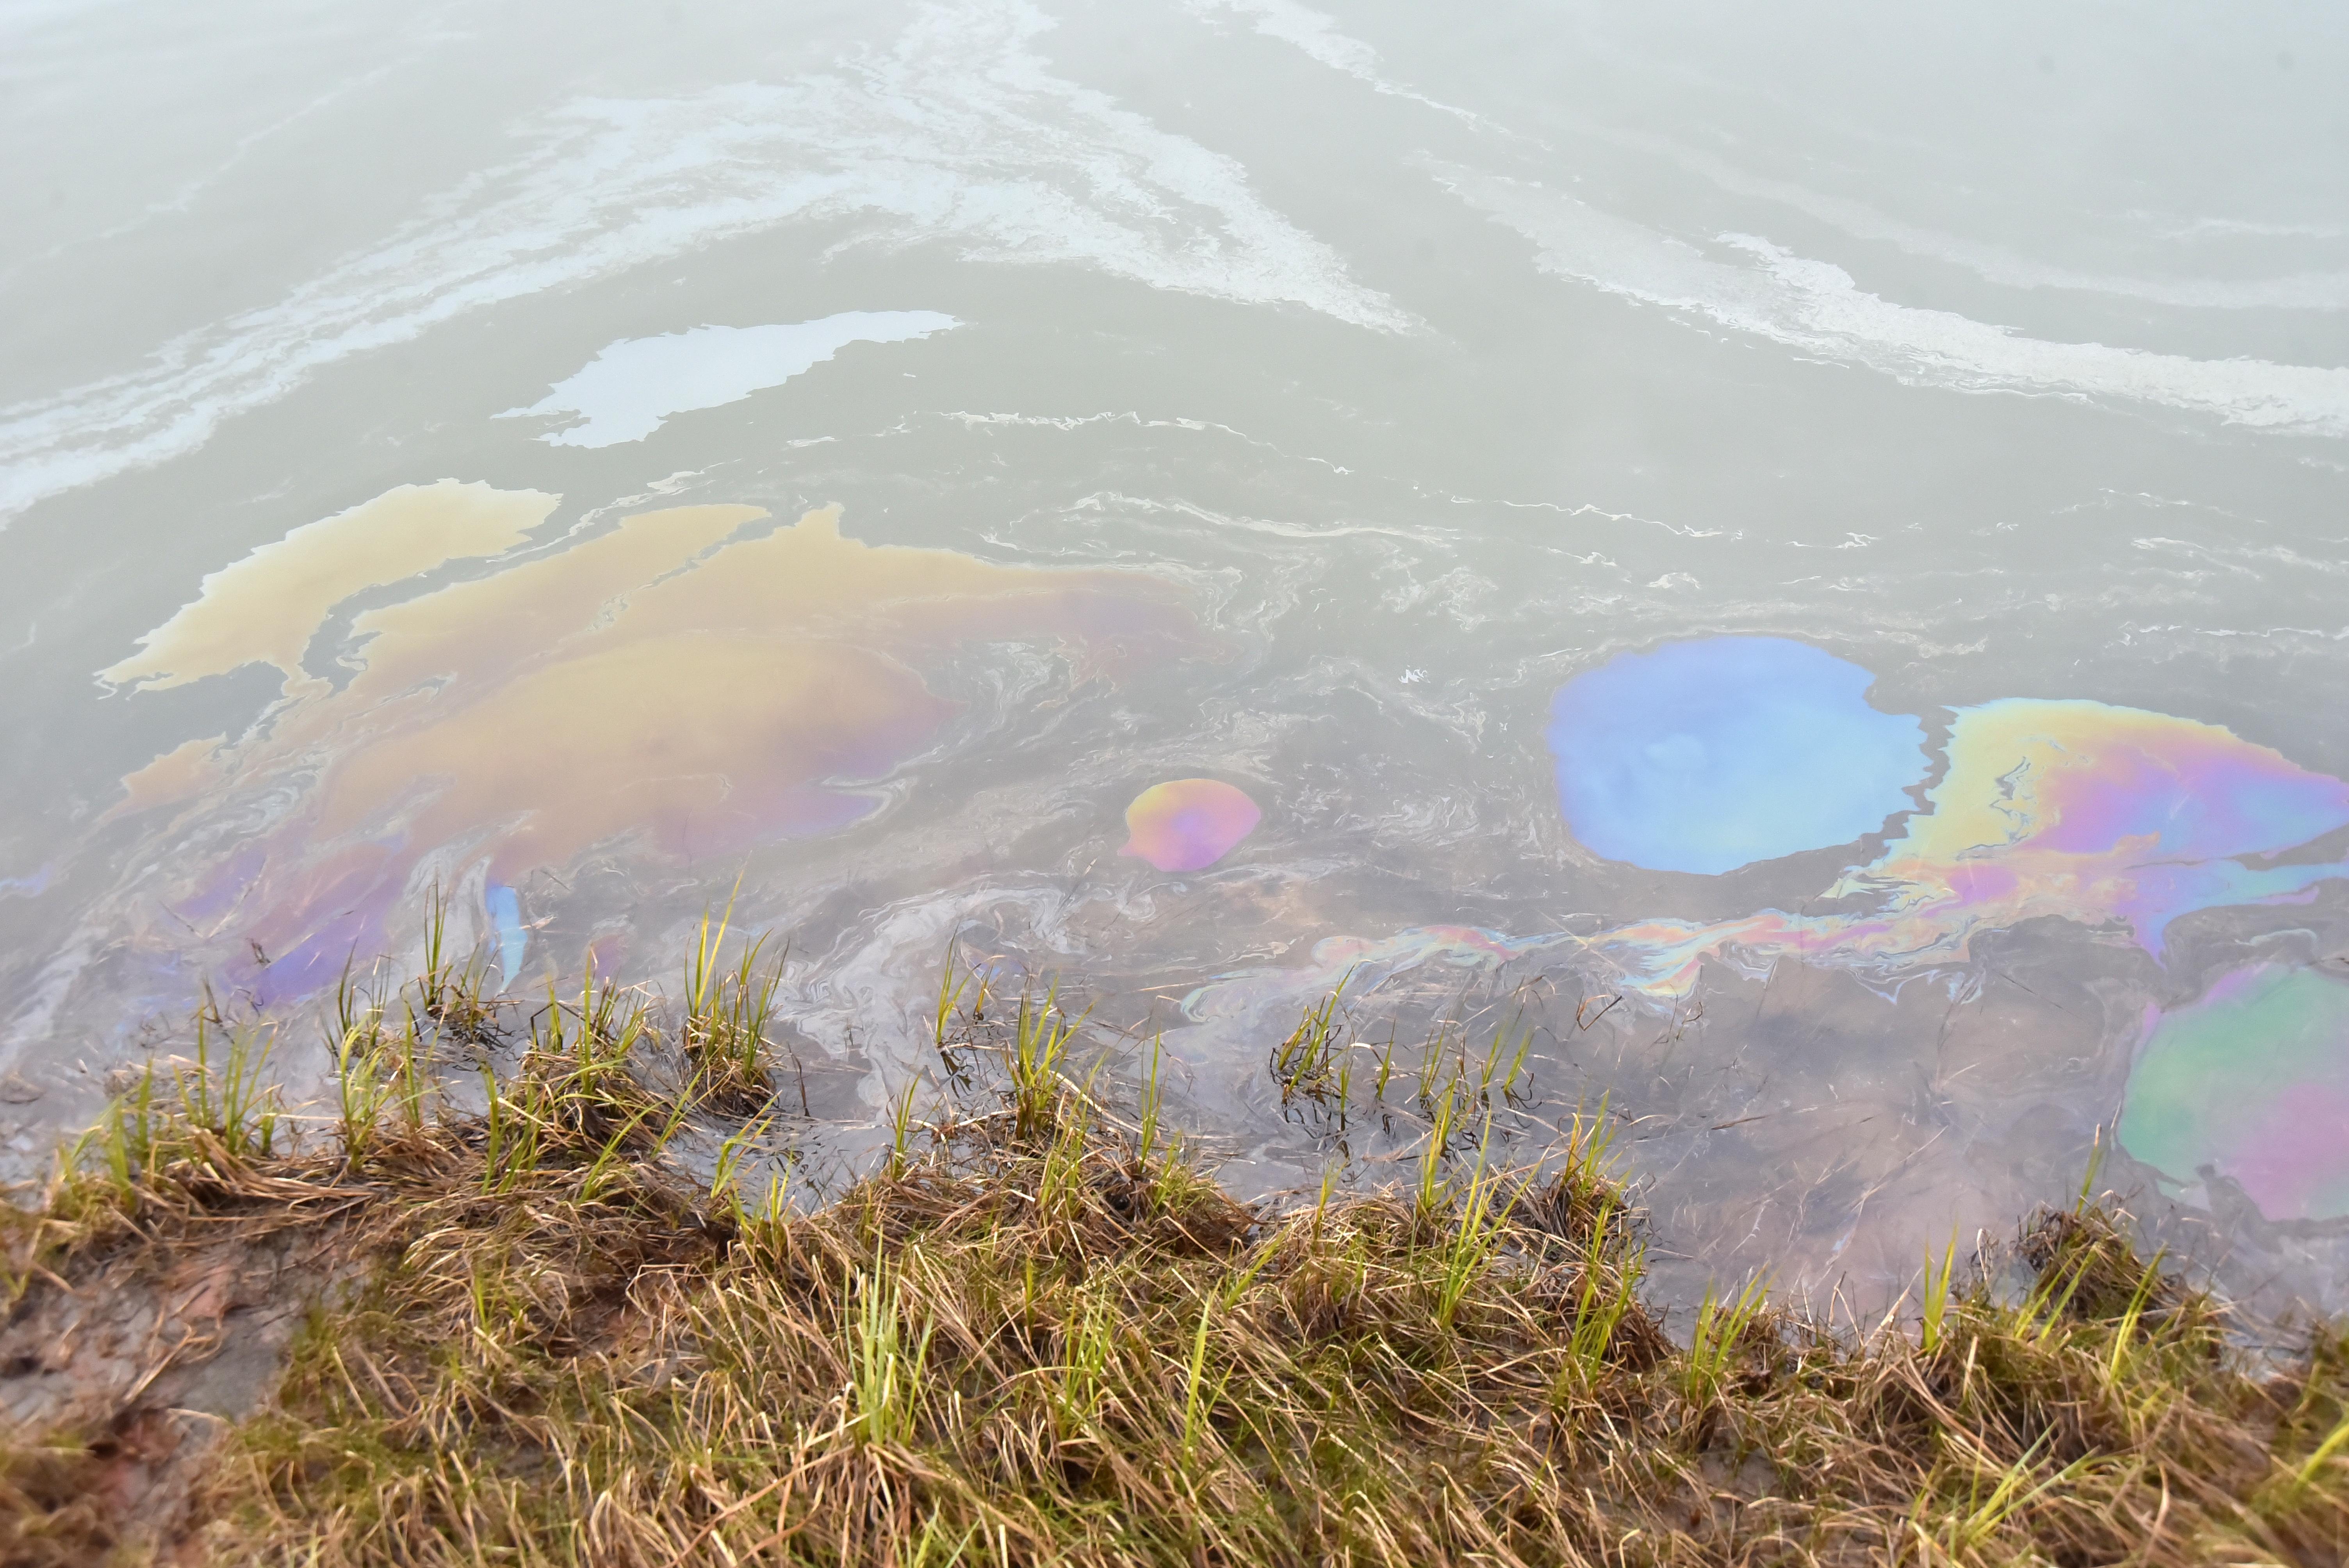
(728, 1012)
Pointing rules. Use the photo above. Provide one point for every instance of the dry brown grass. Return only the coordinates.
(536, 1337)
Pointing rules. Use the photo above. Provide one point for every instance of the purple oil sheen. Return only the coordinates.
(2203, 795)
(1188, 824)
(2106, 816)
(2250, 1082)
(2290, 1160)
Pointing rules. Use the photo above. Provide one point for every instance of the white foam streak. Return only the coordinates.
(1317, 36)
(1309, 30)
(2008, 269)
(957, 134)
(1814, 307)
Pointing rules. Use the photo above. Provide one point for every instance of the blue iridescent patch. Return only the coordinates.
(1711, 754)
(512, 937)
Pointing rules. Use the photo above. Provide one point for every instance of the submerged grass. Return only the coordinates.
(1048, 1339)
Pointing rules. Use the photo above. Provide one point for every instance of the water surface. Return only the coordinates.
(1792, 560)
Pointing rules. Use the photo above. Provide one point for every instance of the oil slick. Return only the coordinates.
(265, 608)
(2249, 1083)
(633, 387)
(1711, 754)
(2115, 818)
(682, 685)
(1188, 824)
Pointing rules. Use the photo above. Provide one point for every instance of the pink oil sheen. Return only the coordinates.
(2125, 820)
(1188, 824)
(2294, 1153)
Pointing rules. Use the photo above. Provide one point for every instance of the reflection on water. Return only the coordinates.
(1808, 592)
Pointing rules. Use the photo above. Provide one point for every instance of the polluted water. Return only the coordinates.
(1778, 573)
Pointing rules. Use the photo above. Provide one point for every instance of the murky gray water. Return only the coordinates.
(1796, 555)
